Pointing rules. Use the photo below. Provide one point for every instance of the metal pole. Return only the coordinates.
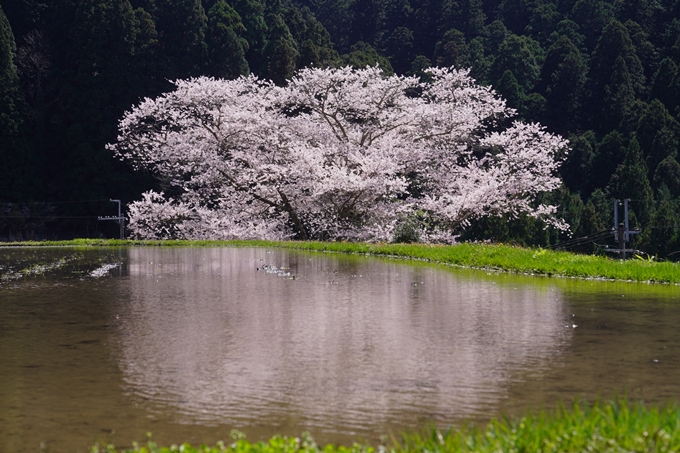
(622, 242)
(625, 213)
(616, 219)
(120, 218)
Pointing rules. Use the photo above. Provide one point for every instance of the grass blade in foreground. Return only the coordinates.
(616, 426)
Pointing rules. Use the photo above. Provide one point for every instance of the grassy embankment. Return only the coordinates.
(609, 427)
(484, 256)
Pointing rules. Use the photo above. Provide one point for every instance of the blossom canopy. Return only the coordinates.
(336, 154)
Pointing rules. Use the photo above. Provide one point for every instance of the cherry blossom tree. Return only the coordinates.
(336, 154)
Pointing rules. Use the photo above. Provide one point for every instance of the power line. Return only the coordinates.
(582, 240)
(51, 202)
(48, 217)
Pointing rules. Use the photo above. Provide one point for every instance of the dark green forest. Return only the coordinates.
(604, 74)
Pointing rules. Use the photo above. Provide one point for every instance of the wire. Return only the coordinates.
(48, 217)
(582, 240)
(53, 202)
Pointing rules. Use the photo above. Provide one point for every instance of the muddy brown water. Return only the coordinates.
(190, 343)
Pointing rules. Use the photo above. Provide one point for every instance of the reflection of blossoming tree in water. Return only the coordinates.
(210, 340)
(338, 153)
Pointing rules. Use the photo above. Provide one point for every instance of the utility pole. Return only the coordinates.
(120, 219)
(621, 230)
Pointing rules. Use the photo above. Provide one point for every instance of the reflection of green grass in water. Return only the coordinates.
(485, 256)
(32, 270)
(609, 427)
(30, 262)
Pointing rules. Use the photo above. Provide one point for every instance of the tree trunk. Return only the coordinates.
(298, 226)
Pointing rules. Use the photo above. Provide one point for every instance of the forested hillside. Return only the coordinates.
(69, 69)
(603, 74)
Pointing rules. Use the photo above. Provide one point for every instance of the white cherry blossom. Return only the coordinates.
(336, 154)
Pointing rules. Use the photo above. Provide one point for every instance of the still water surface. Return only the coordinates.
(188, 343)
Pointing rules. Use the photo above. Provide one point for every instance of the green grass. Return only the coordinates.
(615, 426)
(482, 256)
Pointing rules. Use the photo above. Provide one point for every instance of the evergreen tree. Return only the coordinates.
(665, 84)
(610, 154)
(667, 174)
(280, 53)
(578, 167)
(314, 42)
(96, 64)
(570, 208)
(226, 46)
(252, 14)
(570, 29)
(24, 15)
(674, 51)
(426, 25)
(336, 17)
(9, 80)
(181, 26)
(619, 95)
(631, 118)
(658, 133)
(366, 18)
(563, 79)
(644, 49)
(521, 55)
(515, 14)
(527, 231)
(479, 61)
(591, 220)
(602, 216)
(473, 18)
(511, 90)
(418, 67)
(543, 21)
(400, 50)
(16, 179)
(534, 107)
(33, 61)
(615, 43)
(398, 13)
(665, 144)
(363, 54)
(451, 50)
(663, 230)
(644, 12)
(146, 65)
(496, 33)
(632, 182)
(572, 211)
(592, 16)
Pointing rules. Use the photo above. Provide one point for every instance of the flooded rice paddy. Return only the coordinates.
(189, 343)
